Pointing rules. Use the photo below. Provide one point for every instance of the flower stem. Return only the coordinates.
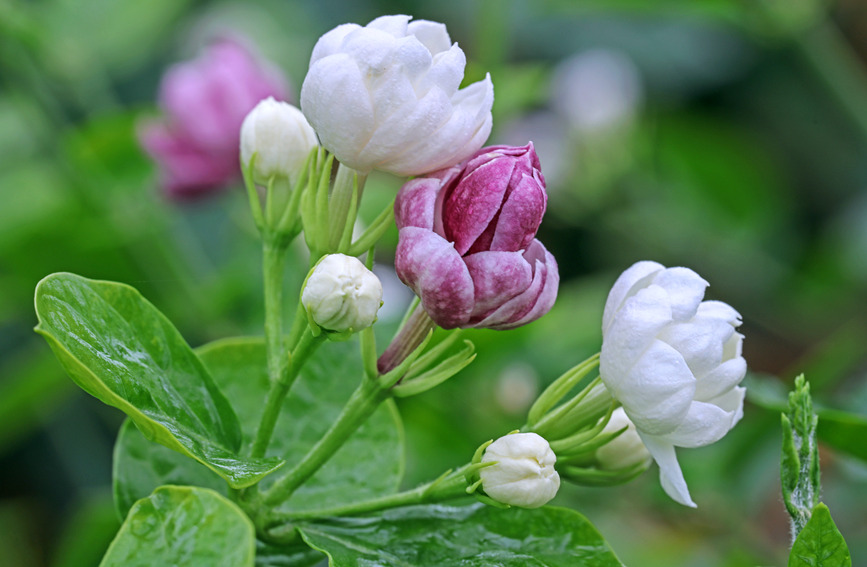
(449, 486)
(411, 334)
(272, 267)
(280, 388)
(358, 408)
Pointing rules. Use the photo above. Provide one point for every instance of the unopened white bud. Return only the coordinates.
(524, 475)
(280, 136)
(341, 294)
(624, 451)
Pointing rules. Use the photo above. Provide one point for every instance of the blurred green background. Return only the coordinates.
(727, 136)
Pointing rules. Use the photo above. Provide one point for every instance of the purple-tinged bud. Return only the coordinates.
(205, 101)
(467, 241)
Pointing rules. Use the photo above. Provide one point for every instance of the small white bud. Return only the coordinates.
(281, 138)
(524, 475)
(624, 451)
(341, 294)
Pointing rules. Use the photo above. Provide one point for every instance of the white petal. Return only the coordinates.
(331, 42)
(395, 26)
(446, 72)
(685, 288)
(721, 379)
(633, 329)
(704, 424)
(336, 103)
(719, 310)
(732, 402)
(629, 282)
(656, 392)
(700, 341)
(455, 139)
(432, 34)
(670, 475)
(373, 51)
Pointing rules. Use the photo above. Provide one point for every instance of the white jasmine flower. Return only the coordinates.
(385, 96)
(524, 475)
(281, 138)
(341, 294)
(674, 362)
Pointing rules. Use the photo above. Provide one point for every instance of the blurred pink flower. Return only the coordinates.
(467, 243)
(205, 101)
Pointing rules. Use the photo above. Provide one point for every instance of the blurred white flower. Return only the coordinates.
(341, 294)
(597, 89)
(524, 475)
(385, 96)
(673, 361)
(624, 451)
(281, 138)
(517, 387)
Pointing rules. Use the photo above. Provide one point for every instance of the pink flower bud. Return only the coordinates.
(467, 241)
(205, 101)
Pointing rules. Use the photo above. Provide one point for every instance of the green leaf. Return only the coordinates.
(297, 555)
(120, 349)
(820, 543)
(183, 526)
(238, 367)
(431, 536)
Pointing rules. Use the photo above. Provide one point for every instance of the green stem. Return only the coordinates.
(280, 388)
(453, 485)
(272, 266)
(360, 406)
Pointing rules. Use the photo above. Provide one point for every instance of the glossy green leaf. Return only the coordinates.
(296, 555)
(476, 535)
(184, 526)
(238, 367)
(820, 543)
(120, 349)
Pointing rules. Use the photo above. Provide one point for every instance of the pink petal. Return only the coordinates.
(429, 264)
(497, 278)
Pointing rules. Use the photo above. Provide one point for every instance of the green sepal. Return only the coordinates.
(599, 477)
(349, 224)
(252, 192)
(437, 375)
(559, 388)
(374, 232)
(394, 375)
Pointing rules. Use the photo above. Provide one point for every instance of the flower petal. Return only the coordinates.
(429, 264)
(700, 341)
(685, 289)
(656, 391)
(416, 203)
(628, 284)
(637, 322)
(721, 379)
(433, 35)
(704, 424)
(335, 101)
(497, 278)
(533, 302)
(670, 475)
